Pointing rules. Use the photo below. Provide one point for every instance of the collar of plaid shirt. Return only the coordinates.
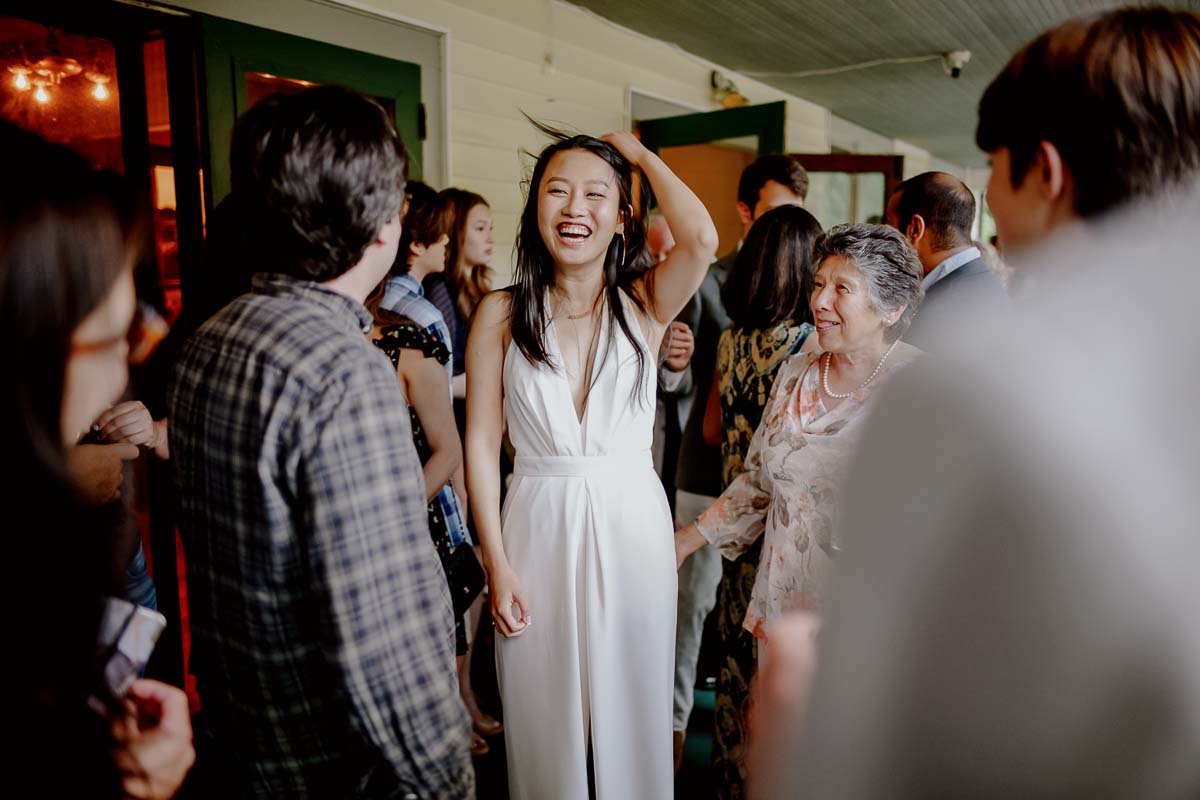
(279, 285)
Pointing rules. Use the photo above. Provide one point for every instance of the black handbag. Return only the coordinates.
(465, 576)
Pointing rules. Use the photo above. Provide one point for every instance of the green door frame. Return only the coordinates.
(766, 121)
(231, 49)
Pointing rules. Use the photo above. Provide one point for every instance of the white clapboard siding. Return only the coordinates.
(549, 59)
(566, 67)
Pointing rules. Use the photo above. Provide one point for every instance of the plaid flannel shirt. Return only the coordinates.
(323, 634)
(404, 295)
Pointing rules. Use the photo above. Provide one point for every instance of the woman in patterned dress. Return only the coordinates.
(420, 359)
(865, 293)
(766, 296)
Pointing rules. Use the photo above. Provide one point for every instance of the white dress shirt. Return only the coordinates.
(949, 265)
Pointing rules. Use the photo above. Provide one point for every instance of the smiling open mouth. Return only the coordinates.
(573, 233)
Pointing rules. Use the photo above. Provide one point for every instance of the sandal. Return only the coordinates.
(487, 725)
(483, 723)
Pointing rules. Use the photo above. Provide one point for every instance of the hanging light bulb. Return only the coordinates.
(20, 77)
(100, 92)
(41, 95)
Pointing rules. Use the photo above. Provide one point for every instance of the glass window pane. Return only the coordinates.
(868, 197)
(829, 197)
(263, 84)
(162, 177)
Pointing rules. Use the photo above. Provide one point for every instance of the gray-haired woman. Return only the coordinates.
(865, 293)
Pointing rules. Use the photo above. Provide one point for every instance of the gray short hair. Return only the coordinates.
(887, 261)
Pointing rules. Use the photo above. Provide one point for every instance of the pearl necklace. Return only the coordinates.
(861, 386)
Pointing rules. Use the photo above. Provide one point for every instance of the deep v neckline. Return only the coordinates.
(561, 372)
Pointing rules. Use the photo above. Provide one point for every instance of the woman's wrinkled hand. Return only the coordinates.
(687, 541)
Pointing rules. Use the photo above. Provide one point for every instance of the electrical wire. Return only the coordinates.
(847, 68)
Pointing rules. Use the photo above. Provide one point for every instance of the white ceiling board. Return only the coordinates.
(914, 102)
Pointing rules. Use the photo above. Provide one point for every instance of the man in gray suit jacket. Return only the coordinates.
(935, 211)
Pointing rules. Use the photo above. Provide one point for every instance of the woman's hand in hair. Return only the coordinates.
(627, 145)
(676, 277)
(153, 741)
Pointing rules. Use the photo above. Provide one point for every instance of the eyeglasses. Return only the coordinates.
(138, 338)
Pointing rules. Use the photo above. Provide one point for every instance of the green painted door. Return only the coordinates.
(243, 63)
(763, 122)
(709, 150)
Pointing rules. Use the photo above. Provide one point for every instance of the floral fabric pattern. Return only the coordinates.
(446, 526)
(788, 491)
(747, 361)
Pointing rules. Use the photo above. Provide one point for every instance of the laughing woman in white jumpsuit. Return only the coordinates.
(565, 356)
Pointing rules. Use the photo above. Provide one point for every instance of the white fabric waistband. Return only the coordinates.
(582, 466)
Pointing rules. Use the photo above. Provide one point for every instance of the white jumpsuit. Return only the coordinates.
(588, 533)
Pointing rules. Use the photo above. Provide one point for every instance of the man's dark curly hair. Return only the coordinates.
(330, 174)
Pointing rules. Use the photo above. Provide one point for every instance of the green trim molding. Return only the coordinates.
(766, 122)
(232, 49)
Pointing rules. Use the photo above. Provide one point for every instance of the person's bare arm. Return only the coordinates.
(459, 482)
(425, 386)
(677, 277)
(485, 426)
(98, 470)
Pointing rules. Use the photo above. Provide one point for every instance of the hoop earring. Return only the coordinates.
(621, 258)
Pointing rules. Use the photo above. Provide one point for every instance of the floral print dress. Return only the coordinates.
(748, 360)
(788, 493)
(446, 530)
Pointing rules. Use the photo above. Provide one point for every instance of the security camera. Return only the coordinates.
(954, 61)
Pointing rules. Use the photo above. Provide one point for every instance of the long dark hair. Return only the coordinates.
(65, 239)
(626, 261)
(66, 234)
(772, 277)
(469, 286)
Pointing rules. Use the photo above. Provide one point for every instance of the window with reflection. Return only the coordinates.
(63, 87)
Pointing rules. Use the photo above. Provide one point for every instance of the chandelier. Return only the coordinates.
(49, 71)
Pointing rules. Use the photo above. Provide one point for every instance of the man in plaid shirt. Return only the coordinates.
(323, 633)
